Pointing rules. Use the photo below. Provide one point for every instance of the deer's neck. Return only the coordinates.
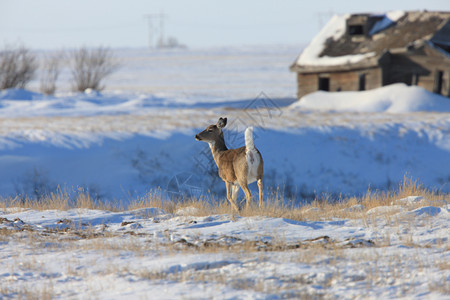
(217, 148)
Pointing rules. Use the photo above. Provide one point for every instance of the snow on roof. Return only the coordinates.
(334, 47)
(334, 29)
(387, 20)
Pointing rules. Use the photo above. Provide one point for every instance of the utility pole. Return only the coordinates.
(161, 29)
(151, 29)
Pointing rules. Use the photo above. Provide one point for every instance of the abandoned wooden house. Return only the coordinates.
(366, 51)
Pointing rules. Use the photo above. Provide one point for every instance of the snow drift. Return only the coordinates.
(395, 98)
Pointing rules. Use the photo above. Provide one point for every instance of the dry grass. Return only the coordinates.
(274, 207)
(442, 287)
(319, 209)
(332, 256)
(60, 200)
(29, 292)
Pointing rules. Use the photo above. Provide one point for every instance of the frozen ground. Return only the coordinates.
(387, 252)
(138, 135)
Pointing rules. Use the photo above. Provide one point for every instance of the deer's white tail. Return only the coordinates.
(249, 139)
(236, 166)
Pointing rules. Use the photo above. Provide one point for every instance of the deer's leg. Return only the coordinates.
(228, 185)
(248, 194)
(235, 194)
(231, 197)
(260, 189)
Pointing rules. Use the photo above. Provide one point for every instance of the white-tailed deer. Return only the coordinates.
(237, 167)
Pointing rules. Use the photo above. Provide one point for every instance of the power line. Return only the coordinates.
(69, 29)
(161, 17)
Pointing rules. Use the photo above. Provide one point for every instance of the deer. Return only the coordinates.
(237, 167)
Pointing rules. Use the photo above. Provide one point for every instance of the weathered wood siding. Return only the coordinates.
(428, 82)
(418, 68)
(339, 81)
(434, 63)
(344, 81)
(306, 83)
(374, 78)
(411, 69)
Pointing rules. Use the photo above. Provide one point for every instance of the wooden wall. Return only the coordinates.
(339, 81)
(434, 63)
(410, 68)
(306, 83)
(420, 68)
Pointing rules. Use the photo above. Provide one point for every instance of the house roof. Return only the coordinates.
(359, 40)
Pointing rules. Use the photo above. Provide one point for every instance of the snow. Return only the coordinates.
(120, 157)
(334, 29)
(81, 254)
(120, 144)
(128, 141)
(388, 19)
(395, 98)
(430, 211)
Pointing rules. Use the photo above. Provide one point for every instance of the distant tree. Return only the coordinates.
(17, 67)
(50, 73)
(90, 67)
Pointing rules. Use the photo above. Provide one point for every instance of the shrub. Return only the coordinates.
(90, 67)
(50, 73)
(17, 67)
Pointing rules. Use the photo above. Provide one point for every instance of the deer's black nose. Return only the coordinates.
(197, 137)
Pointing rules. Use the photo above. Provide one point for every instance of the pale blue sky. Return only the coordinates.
(59, 24)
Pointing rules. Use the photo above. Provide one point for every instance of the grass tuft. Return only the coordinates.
(274, 205)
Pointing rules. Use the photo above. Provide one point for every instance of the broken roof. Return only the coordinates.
(359, 40)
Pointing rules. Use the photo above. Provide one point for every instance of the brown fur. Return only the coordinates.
(232, 163)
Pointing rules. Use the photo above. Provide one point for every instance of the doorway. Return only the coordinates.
(324, 83)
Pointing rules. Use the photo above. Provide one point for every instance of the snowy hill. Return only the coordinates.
(122, 143)
(122, 148)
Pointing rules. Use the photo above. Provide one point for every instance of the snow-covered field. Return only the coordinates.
(387, 252)
(138, 136)
(122, 146)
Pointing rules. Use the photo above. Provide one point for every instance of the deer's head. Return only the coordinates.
(212, 133)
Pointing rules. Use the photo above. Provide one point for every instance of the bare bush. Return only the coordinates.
(17, 67)
(50, 73)
(90, 67)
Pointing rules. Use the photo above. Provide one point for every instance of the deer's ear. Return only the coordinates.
(222, 122)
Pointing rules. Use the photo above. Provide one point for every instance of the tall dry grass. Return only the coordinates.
(61, 200)
(274, 206)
